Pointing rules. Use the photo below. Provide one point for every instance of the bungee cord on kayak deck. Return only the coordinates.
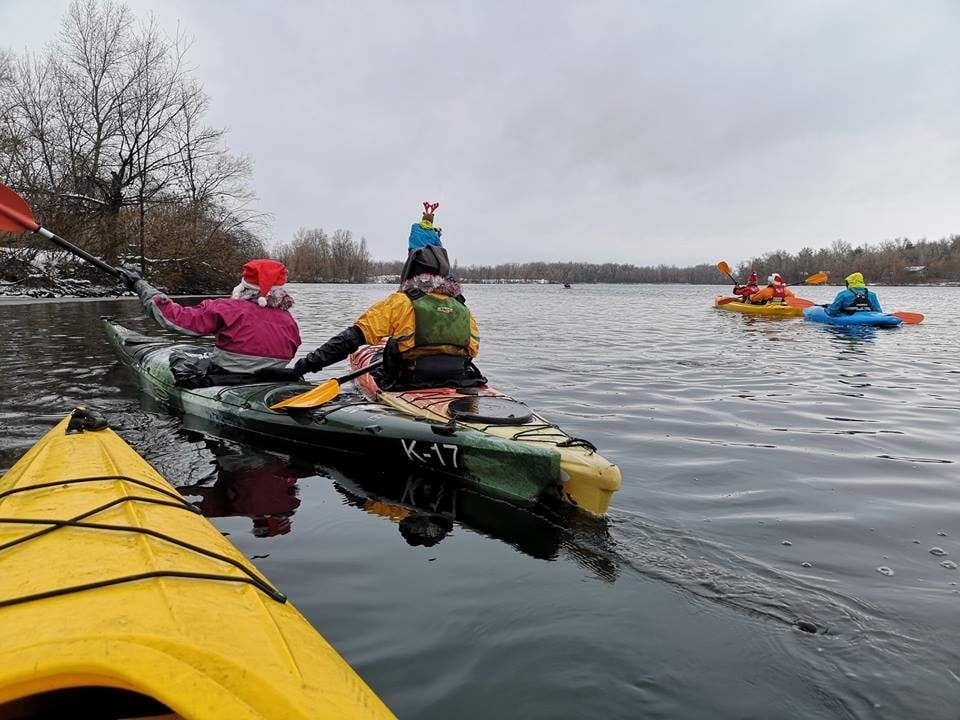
(78, 521)
(543, 431)
(181, 622)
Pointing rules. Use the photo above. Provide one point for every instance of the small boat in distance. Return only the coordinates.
(567, 286)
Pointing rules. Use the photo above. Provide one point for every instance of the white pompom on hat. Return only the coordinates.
(263, 275)
(775, 279)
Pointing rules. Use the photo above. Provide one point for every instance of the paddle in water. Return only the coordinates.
(908, 318)
(815, 279)
(324, 392)
(16, 216)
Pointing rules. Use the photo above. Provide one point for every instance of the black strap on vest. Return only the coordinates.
(417, 293)
(862, 302)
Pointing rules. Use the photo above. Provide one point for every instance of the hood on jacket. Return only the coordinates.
(430, 259)
(855, 280)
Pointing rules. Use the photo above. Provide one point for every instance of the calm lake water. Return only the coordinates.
(776, 473)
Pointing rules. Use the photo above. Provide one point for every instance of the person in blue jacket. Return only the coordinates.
(855, 298)
(424, 233)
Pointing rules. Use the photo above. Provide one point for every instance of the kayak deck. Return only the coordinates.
(769, 309)
(528, 471)
(123, 585)
(868, 318)
(588, 479)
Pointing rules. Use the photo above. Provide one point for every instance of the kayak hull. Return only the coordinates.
(588, 480)
(765, 310)
(871, 319)
(523, 472)
(142, 594)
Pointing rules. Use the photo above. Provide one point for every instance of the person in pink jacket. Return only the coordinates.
(253, 329)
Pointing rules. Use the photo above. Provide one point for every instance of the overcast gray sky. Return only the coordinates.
(634, 131)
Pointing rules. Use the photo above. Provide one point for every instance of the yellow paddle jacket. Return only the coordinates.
(394, 317)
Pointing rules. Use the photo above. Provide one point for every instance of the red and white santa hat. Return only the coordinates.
(775, 279)
(263, 275)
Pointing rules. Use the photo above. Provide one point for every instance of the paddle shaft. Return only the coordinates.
(361, 371)
(80, 253)
(735, 281)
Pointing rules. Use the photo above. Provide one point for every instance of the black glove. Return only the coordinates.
(130, 278)
(279, 374)
(332, 351)
(302, 366)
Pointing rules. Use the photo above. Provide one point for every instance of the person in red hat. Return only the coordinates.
(751, 288)
(253, 329)
(775, 291)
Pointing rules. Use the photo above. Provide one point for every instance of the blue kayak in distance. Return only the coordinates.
(873, 319)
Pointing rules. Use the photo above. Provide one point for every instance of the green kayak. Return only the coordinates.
(521, 469)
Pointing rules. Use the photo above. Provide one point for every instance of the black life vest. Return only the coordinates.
(860, 303)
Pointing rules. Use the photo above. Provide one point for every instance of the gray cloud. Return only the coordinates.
(640, 132)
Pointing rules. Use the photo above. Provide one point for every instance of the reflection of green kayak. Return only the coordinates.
(525, 469)
(426, 509)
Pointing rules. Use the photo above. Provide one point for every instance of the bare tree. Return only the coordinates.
(314, 256)
(107, 127)
(8, 126)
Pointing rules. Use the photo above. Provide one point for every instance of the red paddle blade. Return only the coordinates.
(799, 302)
(909, 318)
(15, 214)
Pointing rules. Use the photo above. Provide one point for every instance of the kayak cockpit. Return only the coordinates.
(87, 701)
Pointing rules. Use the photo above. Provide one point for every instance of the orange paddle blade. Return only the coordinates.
(909, 318)
(15, 214)
(817, 278)
(311, 398)
(723, 267)
(799, 302)
(727, 300)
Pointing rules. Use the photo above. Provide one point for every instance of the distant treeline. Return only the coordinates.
(571, 272)
(314, 256)
(893, 262)
(104, 133)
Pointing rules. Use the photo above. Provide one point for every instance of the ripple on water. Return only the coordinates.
(733, 435)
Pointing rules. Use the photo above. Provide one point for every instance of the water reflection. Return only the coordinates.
(426, 509)
(243, 481)
(257, 485)
(765, 484)
(850, 338)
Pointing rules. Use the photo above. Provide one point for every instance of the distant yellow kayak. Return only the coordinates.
(116, 596)
(769, 309)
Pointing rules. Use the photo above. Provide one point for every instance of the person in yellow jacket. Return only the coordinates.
(431, 334)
